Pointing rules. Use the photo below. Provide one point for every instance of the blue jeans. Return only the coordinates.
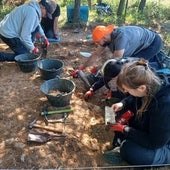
(153, 53)
(16, 45)
(137, 155)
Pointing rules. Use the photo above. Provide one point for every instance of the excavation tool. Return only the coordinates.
(43, 137)
(44, 50)
(33, 124)
(44, 112)
(83, 77)
(64, 112)
(60, 120)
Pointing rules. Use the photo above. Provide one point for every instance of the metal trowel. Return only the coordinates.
(42, 137)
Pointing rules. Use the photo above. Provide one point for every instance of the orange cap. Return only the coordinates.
(100, 31)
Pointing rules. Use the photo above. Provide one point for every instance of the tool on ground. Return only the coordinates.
(61, 120)
(44, 112)
(83, 77)
(34, 125)
(43, 137)
(65, 112)
(44, 51)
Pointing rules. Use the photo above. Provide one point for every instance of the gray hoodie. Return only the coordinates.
(21, 22)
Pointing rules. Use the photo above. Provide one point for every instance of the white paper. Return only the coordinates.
(109, 115)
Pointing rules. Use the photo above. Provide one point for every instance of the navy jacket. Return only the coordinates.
(152, 130)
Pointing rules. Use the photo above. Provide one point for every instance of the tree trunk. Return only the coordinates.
(89, 4)
(76, 17)
(99, 1)
(121, 7)
(142, 5)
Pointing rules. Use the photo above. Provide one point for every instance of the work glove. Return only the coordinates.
(88, 94)
(107, 95)
(45, 42)
(117, 127)
(38, 36)
(74, 73)
(93, 70)
(35, 50)
(125, 117)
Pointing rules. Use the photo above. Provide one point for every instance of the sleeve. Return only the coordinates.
(97, 85)
(121, 42)
(28, 26)
(57, 11)
(158, 133)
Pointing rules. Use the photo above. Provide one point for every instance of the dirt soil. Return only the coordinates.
(22, 101)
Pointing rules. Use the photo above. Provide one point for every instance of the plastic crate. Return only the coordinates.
(83, 14)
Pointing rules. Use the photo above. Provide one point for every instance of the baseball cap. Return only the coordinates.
(50, 6)
(100, 31)
(111, 68)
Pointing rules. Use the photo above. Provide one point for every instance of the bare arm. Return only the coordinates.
(118, 53)
(55, 27)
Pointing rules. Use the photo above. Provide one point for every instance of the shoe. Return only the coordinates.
(113, 156)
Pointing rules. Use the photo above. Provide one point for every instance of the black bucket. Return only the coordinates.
(27, 62)
(50, 68)
(64, 86)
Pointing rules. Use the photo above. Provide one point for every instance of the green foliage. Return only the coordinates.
(4, 11)
(154, 14)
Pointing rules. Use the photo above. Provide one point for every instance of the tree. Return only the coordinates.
(76, 16)
(120, 7)
(142, 5)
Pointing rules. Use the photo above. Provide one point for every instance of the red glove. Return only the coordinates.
(46, 42)
(117, 127)
(107, 95)
(125, 117)
(35, 50)
(89, 94)
(93, 70)
(37, 36)
(74, 73)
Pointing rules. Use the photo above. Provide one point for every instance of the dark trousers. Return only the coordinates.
(138, 155)
(16, 45)
(153, 53)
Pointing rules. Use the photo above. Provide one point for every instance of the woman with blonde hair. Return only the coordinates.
(147, 134)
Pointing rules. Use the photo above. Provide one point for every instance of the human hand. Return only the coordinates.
(93, 70)
(46, 42)
(88, 94)
(35, 50)
(107, 95)
(117, 127)
(125, 117)
(74, 73)
(117, 106)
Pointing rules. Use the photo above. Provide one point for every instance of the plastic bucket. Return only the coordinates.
(65, 88)
(50, 68)
(27, 62)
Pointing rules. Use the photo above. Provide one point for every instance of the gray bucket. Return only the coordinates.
(27, 62)
(64, 86)
(50, 68)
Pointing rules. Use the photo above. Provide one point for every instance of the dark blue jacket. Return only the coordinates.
(152, 130)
